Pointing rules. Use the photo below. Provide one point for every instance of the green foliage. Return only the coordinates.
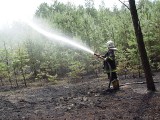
(3, 73)
(20, 58)
(77, 69)
(41, 58)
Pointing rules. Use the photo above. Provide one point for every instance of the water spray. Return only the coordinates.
(58, 37)
(63, 39)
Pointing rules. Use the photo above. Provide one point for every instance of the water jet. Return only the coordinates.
(56, 37)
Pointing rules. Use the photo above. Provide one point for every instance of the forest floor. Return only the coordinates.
(85, 100)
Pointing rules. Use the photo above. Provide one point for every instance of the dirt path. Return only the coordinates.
(82, 101)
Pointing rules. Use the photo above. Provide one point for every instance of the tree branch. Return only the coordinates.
(124, 4)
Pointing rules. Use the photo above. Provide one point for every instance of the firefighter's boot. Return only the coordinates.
(115, 84)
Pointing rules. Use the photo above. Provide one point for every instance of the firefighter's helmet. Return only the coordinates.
(110, 45)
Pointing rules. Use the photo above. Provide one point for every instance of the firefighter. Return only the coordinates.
(109, 65)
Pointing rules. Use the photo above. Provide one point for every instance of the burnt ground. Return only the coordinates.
(86, 100)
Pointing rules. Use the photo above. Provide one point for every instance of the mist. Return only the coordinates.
(38, 30)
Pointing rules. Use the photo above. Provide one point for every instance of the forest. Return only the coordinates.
(27, 56)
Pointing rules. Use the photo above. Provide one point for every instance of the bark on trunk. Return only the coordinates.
(141, 46)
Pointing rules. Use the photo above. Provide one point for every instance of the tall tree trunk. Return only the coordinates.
(141, 46)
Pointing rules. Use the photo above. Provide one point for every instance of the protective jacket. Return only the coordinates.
(109, 63)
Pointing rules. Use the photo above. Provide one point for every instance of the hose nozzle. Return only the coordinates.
(99, 56)
(96, 54)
